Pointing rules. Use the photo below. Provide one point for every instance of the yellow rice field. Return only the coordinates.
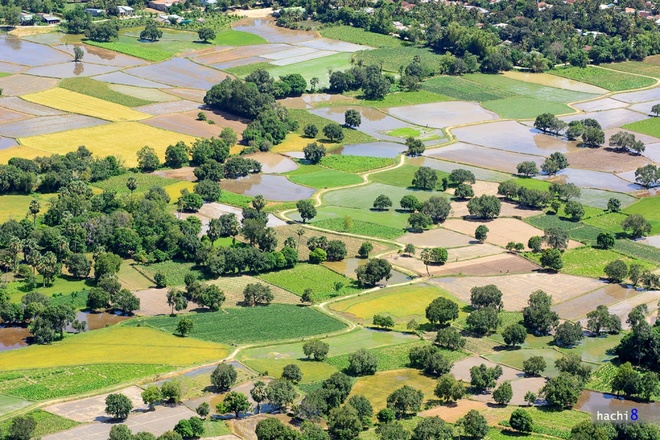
(21, 151)
(73, 102)
(121, 139)
(113, 345)
(174, 190)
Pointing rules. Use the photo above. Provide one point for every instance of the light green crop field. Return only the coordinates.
(355, 164)
(362, 197)
(360, 227)
(317, 176)
(101, 90)
(524, 107)
(650, 126)
(304, 117)
(531, 90)
(399, 99)
(249, 324)
(389, 218)
(401, 303)
(402, 176)
(144, 181)
(170, 44)
(590, 262)
(464, 90)
(360, 36)
(376, 388)
(237, 38)
(641, 68)
(649, 207)
(604, 78)
(316, 68)
(391, 58)
(311, 276)
(47, 423)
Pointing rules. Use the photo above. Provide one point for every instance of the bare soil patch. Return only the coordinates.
(490, 265)
(519, 387)
(443, 114)
(265, 28)
(93, 408)
(154, 302)
(516, 288)
(16, 85)
(180, 72)
(164, 108)
(605, 159)
(189, 94)
(30, 108)
(226, 54)
(439, 237)
(186, 124)
(607, 294)
(500, 160)
(451, 413)
(185, 173)
(48, 125)
(12, 116)
(245, 428)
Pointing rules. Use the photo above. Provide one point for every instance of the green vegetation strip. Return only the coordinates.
(320, 279)
(101, 90)
(237, 38)
(53, 383)
(360, 36)
(316, 176)
(360, 227)
(648, 207)
(251, 324)
(144, 182)
(355, 164)
(464, 89)
(146, 53)
(303, 118)
(524, 107)
(391, 58)
(604, 78)
(47, 423)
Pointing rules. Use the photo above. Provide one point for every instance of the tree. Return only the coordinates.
(605, 240)
(636, 226)
(333, 132)
(410, 203)
(616, 271)
(481, 233)
(257, 294)
(463, 191)
(538, 316)
(314, 152)
(551, 258)
(120, 432)
(556, 238)
(352, 118)
(386, 415)
(449, 389)
(655, 109)
(184, 326)
(572, 364)
(258, 394)
(441, 310)
(177, 300)
(118, 406)
(614, 205)
(206, 34)
(562, 391)
(281, 393)
(292, 373)
(203, 410)
(22, 428)
(223, 377)
(362, 363)
(392, 431)
(425, 178)
(307, 296)
(593, 137)
(568, 334)
(546, 122)
(415, 147)
(460, 175)
(363, 407)
(648, 175)
(432, 428)
(473, 424)
(151, 395)
(373, 272)
(78, 54)
(534, 365)
(405, 401)
(486, 296)
(382, 202)
(126, 302)
(503, 394)
(151, 32)
(530, 398)
(483, 378)
(344, 423)
(483, 321)
(575, 210)
(310, 131)
(306, 209)
(78, 265)
(484, 206)
(514, 334)
(236, 403)
(449, 338)
(534, 243)
(273, 429)
(365, 249)
(316, 349)
(176, 155)
(208, 190)
(436, 207)
(171, 391)
(147, 160)
(383, 321)
(520, 420)
(48, 267)
(419, 221)
(527, 168)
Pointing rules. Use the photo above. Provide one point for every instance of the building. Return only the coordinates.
(162, 5)
(50, 19)
(125, 11)
(94, 12)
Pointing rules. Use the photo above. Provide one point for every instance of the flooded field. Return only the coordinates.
(224, 55)
(180, 72)
(55, 38)
(146, 94)
(443, 114)
(70, 70)
(592, 401)
(99, 55)
(164, 108)
(16, 85)
(274, 163)
(15, 50)
(374, 122)
(337, 46)
(48, 125)
(129, 80)
(30, 108)
(12, 338)
(599, 104)
(512, 136)
(189, 94)
(308, 101)
(608, 118)
(596, 179)
(641, 96)
(373, 149)
(461, 152)
(11, 68)
(579, 306)
(545, 79)
(479, 173)
(7, 143)
(265, 28)
(7, 116)
(645, 107)
(96, 321)
(271, 187)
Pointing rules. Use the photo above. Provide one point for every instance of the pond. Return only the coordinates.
(12, 338)
(271, 187)
(267, 30)
(593, 402)
(348, 266)
(15, 50)
(96, 321)
(373, 149)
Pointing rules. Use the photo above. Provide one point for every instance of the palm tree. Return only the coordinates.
(426, 258)
(35, 207)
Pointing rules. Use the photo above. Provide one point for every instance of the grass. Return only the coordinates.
(101, 90)
(355, 164)
(547, 422)
(303, 118)
(310, 276)
(360, 227)
(115, 344)
(316, 68)
(251, 324)
(650, 126)
(524, 107)
(602, 377)
(171, 43)
(405, 132)
(391, 58)
(362, 197)
(61, 285)
(174, 271)
(47, 423)
(530, 90)
(402, 303)
(245, 70)
(638, 250)
(590, 262)
(376, 388)
(9, 404)
(316, 176)
(174, 189)
(237, 38)
(610, 221)
(74, 102)
(530, 183)
(3, 74)
(641, 68)
(233, 199)
(399, 99)
(389, 218)
(402, 176)
(144, 181)
(130, 48)
(122, 139)
(52, 383)
(215, 428)
(650, 208)
(15, 207)
(312, 371)
(360, 36)
(464, 90)
(578, 231)
(604, 78)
